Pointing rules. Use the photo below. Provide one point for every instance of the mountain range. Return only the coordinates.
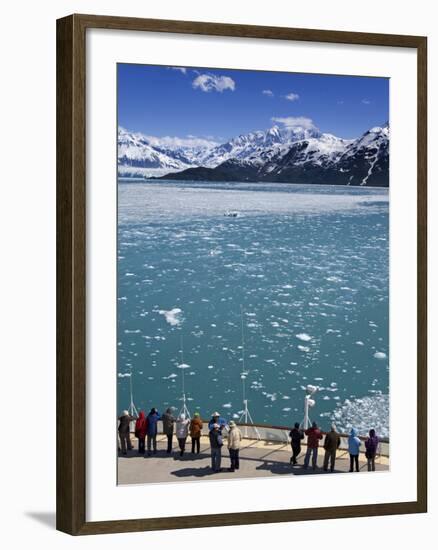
(289, 154)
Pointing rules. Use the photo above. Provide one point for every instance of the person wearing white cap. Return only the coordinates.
(216, 445)
(182, 431)
(234, 442)
(217, 419)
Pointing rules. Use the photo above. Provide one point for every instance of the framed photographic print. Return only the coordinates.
(241, 274)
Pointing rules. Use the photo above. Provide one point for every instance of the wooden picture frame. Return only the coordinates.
(71, 273)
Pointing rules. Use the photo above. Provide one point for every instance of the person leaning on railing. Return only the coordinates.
(195, 432)
(125, 439)
(296, 436)
(141, 425)
(168, 423)
(354, 444)
(182, 431)
(314, 434)
(371, 445)
(152, 430)
(331, 445)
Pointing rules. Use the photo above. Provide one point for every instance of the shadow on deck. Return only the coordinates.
(257, 459)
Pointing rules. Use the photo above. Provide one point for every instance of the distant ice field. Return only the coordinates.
(139, 201)
(309, 266)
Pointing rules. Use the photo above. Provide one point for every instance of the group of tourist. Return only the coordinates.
(146, 430)
(331, 444)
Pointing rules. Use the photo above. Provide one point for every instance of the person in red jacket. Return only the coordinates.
(313, 437)
(141, 427)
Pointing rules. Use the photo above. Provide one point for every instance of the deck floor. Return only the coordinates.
(257, 459)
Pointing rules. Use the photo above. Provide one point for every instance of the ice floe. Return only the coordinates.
(172, 316)
(363, 414)
(304, 337)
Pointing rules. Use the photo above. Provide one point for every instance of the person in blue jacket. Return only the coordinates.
(152, 430)
(354, 444)
(217, 419)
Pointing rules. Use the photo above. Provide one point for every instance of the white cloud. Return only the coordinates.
(366, 101)
(183, 70)
(270, 93)
(295, 121)
(173, 142)
(211, 82)
(292, 96)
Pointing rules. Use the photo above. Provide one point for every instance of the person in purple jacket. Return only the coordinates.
(371, 444)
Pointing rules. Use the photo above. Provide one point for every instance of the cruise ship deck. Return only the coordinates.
(264, 457)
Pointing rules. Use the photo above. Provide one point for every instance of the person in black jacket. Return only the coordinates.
(216, 446)
(296, 435)
(168, 425)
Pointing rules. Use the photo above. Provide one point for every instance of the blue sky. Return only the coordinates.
(222, 103)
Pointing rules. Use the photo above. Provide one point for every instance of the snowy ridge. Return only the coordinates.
(295, 154)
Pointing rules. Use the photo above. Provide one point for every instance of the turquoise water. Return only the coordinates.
(308, 265)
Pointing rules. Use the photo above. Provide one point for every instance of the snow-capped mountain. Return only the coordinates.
(366, 160)
(257, 145)
(146, 156)
(294, 154)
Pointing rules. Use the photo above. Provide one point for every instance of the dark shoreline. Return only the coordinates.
(153, 179)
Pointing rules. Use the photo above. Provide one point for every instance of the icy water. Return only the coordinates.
(308, 265)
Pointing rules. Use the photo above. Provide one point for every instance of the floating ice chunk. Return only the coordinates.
(304, 337)
(380, 355)
(303, 348)
(172, 316)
